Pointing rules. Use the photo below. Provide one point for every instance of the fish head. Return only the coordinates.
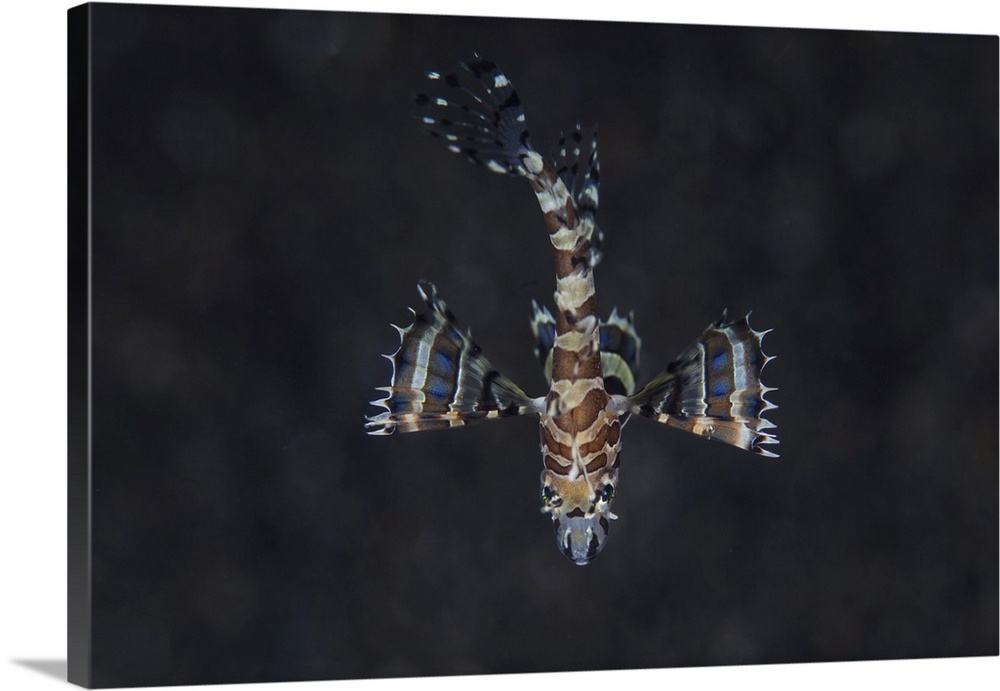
(581, 511)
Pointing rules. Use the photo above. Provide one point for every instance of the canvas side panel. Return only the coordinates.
(78, 347)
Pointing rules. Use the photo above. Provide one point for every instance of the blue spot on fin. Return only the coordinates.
(719, 360)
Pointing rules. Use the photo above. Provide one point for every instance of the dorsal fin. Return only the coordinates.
(580, 169)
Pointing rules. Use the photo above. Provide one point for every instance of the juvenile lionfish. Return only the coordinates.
(441, 379)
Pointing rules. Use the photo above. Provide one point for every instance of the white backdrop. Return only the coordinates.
(33, 382)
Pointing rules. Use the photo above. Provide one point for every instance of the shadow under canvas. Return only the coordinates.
(50, 668)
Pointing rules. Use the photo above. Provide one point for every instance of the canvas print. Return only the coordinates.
(797, 242)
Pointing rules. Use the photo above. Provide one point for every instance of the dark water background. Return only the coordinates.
(264, 207)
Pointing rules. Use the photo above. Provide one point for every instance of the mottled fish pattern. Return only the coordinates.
(441, 378)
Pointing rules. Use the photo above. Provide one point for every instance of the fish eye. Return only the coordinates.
(547, 494)
(608, 493)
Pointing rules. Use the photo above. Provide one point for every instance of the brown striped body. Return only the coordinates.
(580, 435)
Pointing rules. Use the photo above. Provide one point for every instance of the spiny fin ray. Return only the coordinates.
(713, 389)
(441, 379)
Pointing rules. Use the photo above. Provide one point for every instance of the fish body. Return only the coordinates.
(441, 378)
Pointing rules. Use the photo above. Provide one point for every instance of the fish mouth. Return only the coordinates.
(581, 539)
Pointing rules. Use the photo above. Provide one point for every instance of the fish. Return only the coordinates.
(442, 379)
